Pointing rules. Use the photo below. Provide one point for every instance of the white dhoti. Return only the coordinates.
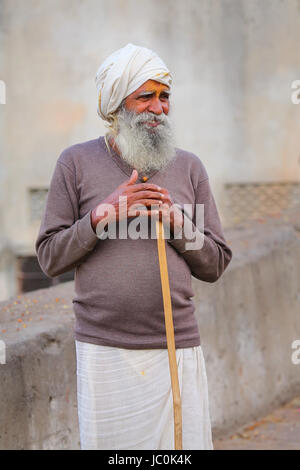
(125, 398)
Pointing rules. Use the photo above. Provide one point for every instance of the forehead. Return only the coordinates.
(150, 85)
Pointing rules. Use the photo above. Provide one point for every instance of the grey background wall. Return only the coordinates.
(233, 63)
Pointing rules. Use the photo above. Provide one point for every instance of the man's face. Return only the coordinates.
(151, 97)
(145, 136)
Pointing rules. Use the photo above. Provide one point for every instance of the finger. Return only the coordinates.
(133, 177)
(167, 201)
(144, 213)
(147, 202)
(137, 213)
(167, 195)
(164, 193)
(148, 195)
(145, 187)
(151, 213)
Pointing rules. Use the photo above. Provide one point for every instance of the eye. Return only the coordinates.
(144, 97)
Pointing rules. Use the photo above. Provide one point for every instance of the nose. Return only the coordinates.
(155, 106)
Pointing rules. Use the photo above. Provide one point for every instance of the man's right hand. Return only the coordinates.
(143, 193)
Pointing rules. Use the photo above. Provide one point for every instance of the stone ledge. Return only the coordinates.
(38, 381)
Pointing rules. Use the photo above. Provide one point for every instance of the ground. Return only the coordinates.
(280, 430)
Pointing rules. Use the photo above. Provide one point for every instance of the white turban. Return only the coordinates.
(125, 71)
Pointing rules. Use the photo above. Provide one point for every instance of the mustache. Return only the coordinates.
(146, 117)
(135, 119)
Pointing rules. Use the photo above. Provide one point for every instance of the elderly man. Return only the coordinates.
(134, 172)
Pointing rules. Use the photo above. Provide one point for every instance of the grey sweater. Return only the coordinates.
(118, 297)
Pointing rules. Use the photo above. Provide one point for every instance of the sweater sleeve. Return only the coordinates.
(203, 245)
(64, 239)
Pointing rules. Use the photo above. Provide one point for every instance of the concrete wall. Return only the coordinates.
(38, 381)
(248, 320)
(233, 63)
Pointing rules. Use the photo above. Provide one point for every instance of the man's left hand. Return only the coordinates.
(170, 213)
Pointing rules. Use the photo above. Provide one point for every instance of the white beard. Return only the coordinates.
(143, 147)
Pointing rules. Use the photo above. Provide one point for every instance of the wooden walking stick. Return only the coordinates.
(170, 334)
